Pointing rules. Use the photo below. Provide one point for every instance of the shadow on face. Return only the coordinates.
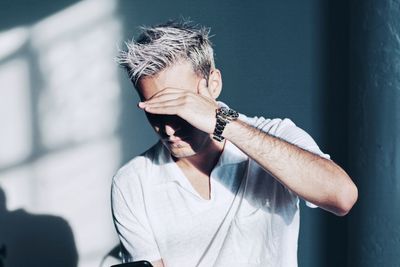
(169, 125)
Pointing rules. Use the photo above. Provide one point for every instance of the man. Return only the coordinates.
(219, 188)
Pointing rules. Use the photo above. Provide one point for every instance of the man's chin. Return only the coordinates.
(181, 152)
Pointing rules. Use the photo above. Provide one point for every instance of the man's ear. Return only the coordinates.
(215, 83)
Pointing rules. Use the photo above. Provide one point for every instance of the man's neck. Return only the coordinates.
(205, 160)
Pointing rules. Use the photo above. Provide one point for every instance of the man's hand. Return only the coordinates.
(198, 109)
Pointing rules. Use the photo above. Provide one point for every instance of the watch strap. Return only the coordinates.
(224, 116)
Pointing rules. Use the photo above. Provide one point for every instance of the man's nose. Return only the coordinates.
(169, 129)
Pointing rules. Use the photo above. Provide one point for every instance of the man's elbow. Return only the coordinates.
(346, 199)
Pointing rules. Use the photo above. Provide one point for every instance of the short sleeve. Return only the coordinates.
(130, 219)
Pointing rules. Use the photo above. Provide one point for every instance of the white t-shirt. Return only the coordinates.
(250, 219)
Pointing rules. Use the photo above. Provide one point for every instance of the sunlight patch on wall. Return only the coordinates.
(80, 89)
(59, 117)
(15, 141)
(11, 41)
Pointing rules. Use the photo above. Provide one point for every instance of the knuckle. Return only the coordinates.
(186, 98)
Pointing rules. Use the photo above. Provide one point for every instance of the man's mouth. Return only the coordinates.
(175, 142)
(174, 139)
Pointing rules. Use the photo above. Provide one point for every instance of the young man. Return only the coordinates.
(219, 188)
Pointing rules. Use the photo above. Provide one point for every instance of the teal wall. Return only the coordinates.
(374, 112)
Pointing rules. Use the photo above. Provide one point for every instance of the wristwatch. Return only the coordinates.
(224, 116)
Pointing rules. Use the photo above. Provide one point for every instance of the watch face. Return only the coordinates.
(224, 111)
(229, 113)
(233, 114)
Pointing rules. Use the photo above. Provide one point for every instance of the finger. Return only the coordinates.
(163, 97)
(169, 98)
(169, 102)
(141, 105)
(168, 90)
(165, 110)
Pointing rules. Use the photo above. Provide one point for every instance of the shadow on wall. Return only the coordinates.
(34, 240)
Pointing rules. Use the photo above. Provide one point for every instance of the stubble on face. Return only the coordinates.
(189, 147)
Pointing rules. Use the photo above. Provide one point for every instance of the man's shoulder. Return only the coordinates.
(139, 165)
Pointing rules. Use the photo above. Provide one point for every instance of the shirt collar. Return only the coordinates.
(230, 155)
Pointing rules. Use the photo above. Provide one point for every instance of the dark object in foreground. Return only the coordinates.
(134, 264)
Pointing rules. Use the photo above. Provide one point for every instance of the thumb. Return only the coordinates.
(203, 89)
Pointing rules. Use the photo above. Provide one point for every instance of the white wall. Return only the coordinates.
(60, 102)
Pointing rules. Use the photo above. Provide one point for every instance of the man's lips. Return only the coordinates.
(175, 141)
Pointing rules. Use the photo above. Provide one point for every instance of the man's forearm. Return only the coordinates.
(311, 177)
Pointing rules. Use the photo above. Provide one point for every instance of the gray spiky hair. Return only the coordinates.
(161, 46)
